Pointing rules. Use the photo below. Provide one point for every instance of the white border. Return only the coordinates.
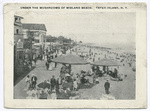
(29, 1)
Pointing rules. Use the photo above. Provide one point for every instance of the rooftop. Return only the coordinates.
(34, 27)
(18, 16)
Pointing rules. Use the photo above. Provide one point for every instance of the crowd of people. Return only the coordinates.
(94, 53)
(66, 86)
(51, 88)
(51, 54)
(30, 82)
(122, 57)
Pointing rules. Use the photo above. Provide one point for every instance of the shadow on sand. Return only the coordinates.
(86, 86)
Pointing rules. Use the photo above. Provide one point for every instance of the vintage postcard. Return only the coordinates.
(75, 55)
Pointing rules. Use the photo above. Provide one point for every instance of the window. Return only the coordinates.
(17, 31)
(15, 19)
(48, 40)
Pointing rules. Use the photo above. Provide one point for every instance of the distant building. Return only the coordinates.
(50, 41)
(34, 35)
(60, 40)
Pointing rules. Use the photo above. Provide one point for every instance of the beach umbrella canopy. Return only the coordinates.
(70, 59)
(82, 51)
(106, 62)
(43, 85)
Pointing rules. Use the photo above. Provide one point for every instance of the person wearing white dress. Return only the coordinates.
(50, 66)
(34, 94)
(29, 94)
(75, 85)
(27, 85)
(53, 95)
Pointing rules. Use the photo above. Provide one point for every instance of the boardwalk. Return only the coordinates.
(119, 90)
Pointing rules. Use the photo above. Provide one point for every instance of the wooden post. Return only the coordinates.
(69, 68)
(107, 69)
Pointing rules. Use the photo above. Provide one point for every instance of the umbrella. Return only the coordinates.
(70, 59)
(44, 85)
(105, 62)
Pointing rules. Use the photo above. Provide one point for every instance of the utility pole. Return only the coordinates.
(30, 42)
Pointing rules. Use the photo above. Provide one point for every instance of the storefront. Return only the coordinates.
(18, 57)
(20, 51)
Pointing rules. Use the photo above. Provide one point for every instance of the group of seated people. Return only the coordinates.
(100, 73)
(113, 74)
(82, 77)
(84, 80)
(64, 69)
(41, 93)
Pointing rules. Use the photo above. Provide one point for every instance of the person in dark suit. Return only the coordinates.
(56, 56)
(35, 60)
(107, 86)
(57, 86)
(47, 65)
(115, 73)
(33, 81)
(53, 83)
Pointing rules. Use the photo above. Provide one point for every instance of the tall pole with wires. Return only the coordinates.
(31, 38)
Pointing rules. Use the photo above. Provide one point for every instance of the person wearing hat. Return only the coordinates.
(27, 85)
(35, 60)
(29, 94)
(107, 86)
(75, 85)
(33, 81)
(57, 85)
(53, 83)
(47, 65)
(43, 95)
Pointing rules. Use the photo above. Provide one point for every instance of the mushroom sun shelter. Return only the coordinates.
(70, 59)
(106, 62)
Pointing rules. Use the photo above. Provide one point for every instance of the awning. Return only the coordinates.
(70, 59)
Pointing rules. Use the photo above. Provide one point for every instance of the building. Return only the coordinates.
(50, 41)
(18, 44)
(34, 37)
(18, 38)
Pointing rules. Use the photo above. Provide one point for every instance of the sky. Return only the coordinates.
(106, 29)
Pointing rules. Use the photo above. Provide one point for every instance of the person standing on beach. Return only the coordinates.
(33, 81)
(47, 65)
(35, 60)
(57, 85)
(75, 85)
(53, 83)
(27, 86)
(107, 86)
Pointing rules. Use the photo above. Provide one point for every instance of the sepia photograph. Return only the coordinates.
(91, 56)
(76, 52)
